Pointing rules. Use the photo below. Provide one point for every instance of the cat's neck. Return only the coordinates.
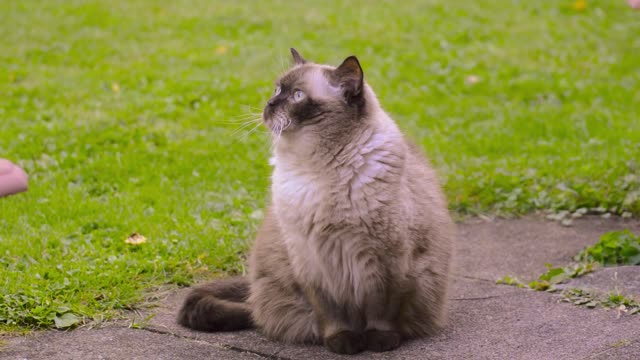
(322, 155)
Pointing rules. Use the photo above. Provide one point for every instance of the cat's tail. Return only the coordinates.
(218, 306)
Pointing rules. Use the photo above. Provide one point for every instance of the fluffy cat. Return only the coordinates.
(355, 248)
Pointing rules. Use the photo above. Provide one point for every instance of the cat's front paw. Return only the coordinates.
(378, 340)
(345, 342)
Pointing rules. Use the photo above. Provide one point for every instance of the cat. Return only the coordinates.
(354, 250)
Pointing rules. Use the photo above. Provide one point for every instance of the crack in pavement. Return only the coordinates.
(476, 298)
(473, 278)
(610, 349)
(514, 293)
(273, 356)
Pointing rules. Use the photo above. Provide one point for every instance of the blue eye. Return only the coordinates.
(298, 95)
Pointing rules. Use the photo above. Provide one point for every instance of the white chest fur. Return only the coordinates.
(309, 198)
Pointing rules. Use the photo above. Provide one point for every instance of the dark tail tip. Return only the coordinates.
(217, 306)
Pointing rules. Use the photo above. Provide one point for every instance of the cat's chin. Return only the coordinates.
(277, 127)
(269, 124)
(280, 135)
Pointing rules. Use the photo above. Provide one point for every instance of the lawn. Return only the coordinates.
(128, 116)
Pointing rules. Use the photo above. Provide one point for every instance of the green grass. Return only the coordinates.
(123, 113)
(614, 248)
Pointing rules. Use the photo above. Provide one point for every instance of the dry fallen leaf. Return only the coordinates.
(580, 5)
(221, 49)
(115, 87)
(136, 239)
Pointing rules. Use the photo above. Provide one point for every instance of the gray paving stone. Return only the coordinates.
(114, 343)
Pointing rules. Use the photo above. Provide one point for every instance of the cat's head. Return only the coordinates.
(310, 95)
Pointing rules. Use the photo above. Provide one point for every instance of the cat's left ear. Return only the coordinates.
(297, 58)
(349, 75)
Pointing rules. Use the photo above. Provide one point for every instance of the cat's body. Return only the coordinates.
(355, 248)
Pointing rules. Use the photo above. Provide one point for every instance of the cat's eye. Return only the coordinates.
(298, 95)
(277, 91)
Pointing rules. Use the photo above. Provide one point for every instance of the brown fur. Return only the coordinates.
(355, 248)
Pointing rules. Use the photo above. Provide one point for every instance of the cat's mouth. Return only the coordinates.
(277, 123)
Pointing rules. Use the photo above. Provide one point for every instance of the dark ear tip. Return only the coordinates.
(352, 63)
(297, 58)
(352, 59)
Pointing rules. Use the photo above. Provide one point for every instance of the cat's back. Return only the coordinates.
(422, 178)
(430, 209)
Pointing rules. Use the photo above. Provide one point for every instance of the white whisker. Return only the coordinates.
(252, 108)
(250, 120)
(246, 135)
(241, 119)
(254, 122)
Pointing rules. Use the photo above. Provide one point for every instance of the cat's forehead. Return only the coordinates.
(293, 76)
(310, 77)
(298, 74)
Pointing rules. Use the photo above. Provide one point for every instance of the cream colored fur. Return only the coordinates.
(353, 213)
(356, 245)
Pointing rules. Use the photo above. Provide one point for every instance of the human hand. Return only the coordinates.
(12, 178)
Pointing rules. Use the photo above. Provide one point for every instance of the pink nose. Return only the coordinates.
(12, 178)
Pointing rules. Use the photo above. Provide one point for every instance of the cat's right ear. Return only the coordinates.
(297, 58)
(350, 77)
